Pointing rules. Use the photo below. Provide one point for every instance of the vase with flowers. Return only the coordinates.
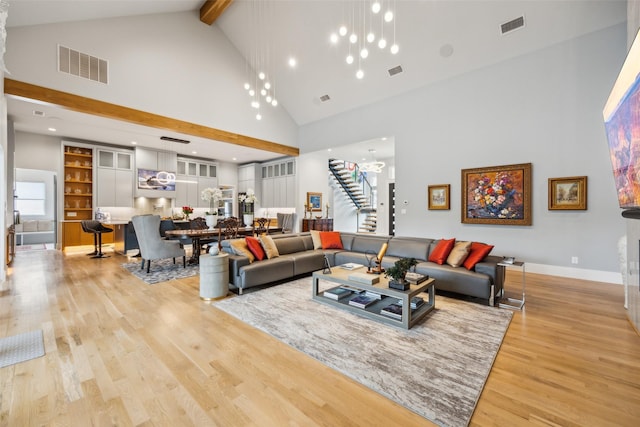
(248, 200)
(187, 210)
(213, 196)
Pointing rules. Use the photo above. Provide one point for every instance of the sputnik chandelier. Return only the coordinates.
(258, 83)
(367, 25)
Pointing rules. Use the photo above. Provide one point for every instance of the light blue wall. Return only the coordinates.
(544, 108)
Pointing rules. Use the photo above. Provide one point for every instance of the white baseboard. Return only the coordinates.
(575, 273)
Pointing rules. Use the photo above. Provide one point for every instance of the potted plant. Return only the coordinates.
(398, 271)
(213, 196)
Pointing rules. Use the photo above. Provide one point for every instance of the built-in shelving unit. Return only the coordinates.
(78, 183)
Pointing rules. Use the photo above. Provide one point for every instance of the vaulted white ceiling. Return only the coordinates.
(438, 39)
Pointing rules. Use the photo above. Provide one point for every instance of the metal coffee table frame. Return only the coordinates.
(339, 277)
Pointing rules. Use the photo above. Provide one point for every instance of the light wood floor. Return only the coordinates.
(121, 352)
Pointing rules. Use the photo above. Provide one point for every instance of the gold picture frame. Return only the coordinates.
(438, 196)
(499, 195)
(314, 201)
(568, 193)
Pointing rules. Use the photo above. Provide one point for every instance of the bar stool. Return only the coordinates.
(97, 229)
(86, 229)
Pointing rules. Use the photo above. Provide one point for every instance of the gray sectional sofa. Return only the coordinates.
(298, 257)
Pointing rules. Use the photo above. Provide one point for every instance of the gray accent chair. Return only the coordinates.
(152, 245)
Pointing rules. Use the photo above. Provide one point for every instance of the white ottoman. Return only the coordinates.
(214, 276)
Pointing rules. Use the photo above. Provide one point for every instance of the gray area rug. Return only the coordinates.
(436, 369)
(162, 270)
(21, 347)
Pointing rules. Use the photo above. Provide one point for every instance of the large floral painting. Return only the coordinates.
(497, 195)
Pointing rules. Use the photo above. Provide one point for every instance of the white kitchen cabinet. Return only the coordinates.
(278, 184)
(115, 179)
(186, 192)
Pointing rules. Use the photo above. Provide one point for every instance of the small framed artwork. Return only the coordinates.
(498, 195)
(314, 201)
(438, 197)
(568, 193)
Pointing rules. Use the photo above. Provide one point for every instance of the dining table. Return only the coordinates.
(197, 235)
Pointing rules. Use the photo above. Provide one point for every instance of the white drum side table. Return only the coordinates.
(505, 301)
(214, 276)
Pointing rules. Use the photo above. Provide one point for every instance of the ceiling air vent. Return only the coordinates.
(512, 25)
(324, 98)
(395, 70)
(38, 113)
(82, 65)
(168, 138)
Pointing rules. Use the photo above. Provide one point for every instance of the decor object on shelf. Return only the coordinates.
(438, 196)
(568, 193)
(187, 210)
(398, 271)
(499, 195)
(314, 202)
(247, 201)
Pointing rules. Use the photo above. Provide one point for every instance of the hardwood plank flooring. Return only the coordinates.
(121, 352)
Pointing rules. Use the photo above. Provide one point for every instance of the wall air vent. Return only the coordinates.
(512, 25)
(395, 70)
(82, 65)
(324, 98)
(168, 138)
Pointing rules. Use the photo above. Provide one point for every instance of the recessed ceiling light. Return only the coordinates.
(328, 149)
(292, 62)
(52, 129)
(194, 152)
(233, 158)
(134, 142)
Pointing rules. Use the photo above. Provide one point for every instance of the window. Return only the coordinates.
(30, 197)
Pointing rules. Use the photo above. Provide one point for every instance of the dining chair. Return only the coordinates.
(200, 223)
(152, 245)
(261, 226)
(228, 230)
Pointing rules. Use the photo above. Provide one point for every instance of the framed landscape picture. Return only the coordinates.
(568, 193)
(438, 196)
(314, 201)
(498, 195)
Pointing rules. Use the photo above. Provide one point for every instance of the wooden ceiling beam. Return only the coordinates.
(212, 9)
(117, 112)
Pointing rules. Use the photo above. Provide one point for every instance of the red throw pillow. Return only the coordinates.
(441, 251)
(255, 247)
(331, 240)
(477, 252)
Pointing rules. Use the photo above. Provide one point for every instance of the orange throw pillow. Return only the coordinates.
(441, 251)
(331, 240)
(255, 247)
(476, 254)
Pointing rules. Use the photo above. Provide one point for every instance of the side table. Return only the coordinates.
(505, 301)
(214, 276)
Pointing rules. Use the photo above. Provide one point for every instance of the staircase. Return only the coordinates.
(360, 194)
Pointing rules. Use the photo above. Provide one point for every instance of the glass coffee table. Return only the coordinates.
(338, 290)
